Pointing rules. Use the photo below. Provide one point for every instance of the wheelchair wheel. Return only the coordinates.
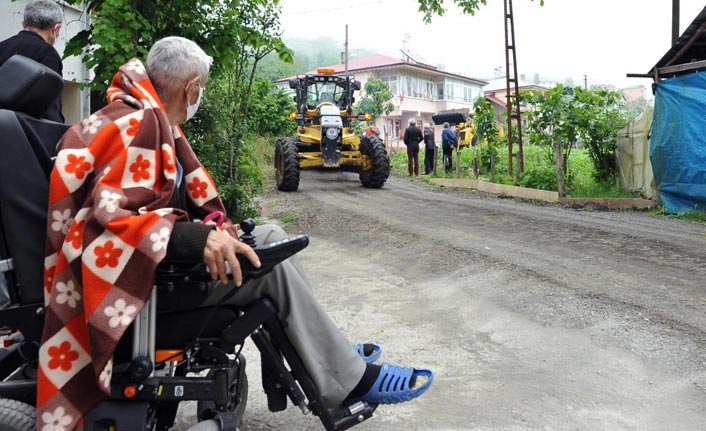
(17, 416)
(238, 409)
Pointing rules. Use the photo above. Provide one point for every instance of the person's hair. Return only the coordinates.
(412, 121)
(42, 14)
(173, 61)
(446, 125)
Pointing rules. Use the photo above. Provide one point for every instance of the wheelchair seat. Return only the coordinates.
(26, 153)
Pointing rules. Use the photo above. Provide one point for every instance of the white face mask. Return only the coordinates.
(191, 109)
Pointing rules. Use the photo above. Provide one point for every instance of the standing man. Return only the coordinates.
(448, 142)
(41, 24)
(412, 137)
(429, 149)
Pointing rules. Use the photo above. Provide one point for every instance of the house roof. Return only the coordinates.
(380, 61)
(689, 48)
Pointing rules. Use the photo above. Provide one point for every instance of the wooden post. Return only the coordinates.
(492, 167)
(458, 162)
(436, 156)
(559, 169)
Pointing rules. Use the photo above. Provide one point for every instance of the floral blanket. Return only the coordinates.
(108, 228)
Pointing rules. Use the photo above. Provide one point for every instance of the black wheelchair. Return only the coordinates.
(173, 352)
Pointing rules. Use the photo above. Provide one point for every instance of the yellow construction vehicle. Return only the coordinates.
(324, 138)
(461, 119)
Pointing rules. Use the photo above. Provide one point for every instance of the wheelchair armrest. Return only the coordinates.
(185, 285)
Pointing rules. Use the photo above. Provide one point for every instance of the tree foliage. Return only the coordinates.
(376, 99)
(436, 7)
(236, 33)
(573, 115)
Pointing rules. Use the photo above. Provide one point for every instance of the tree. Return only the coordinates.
(566, 115)
(436, 7)
(376, 99)
(487, 131)
(553, 118)
(236, 33)
(601, 115)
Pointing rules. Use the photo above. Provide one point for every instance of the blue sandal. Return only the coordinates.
(372, 357)
(392, 385)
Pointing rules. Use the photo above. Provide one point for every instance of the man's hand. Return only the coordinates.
(221, 248)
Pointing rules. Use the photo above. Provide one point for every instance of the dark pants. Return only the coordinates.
(429, 155)
(413, 160)
(448, 158)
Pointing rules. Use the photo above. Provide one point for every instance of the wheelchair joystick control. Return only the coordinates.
(248, 225)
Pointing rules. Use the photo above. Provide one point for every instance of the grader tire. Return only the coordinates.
(17, 416)
(286, 165)
(374, 148)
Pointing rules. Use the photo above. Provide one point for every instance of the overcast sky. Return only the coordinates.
(603, 39)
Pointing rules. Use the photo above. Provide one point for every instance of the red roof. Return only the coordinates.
(378, 61)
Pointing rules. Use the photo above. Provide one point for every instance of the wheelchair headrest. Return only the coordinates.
(28, 86)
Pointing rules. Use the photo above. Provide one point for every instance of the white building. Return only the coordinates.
(75, 102)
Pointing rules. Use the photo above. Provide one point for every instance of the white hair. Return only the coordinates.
(412, 121)
(173, 61)
(42, 14)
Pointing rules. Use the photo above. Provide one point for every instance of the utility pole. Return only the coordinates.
(346, 51)
(511, 77)
(585, 82)
(675, 21)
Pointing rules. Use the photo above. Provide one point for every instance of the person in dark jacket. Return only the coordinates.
(448, 143)
(41, 25)
(429, 149)
(412, 137)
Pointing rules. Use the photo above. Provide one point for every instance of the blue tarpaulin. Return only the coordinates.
(678, 143)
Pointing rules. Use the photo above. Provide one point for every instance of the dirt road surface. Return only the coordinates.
(533, 317)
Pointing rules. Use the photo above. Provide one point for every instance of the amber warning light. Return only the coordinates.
(327, 70)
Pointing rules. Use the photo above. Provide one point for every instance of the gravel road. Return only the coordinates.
(533, 317)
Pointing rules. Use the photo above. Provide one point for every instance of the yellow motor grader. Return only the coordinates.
(324, 138)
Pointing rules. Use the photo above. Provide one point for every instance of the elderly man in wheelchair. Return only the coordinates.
(148, 290)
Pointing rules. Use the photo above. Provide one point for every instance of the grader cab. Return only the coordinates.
(324, 138)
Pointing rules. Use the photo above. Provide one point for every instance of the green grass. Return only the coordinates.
(694, 215)
(581, 170)
(289, 218)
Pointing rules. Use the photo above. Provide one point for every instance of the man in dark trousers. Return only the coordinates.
(448, 143)
(429, 149)
(41, 24)
(412, 137)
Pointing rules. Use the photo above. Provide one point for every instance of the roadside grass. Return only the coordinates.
(694, 215)
(582, 182)
(288, 218)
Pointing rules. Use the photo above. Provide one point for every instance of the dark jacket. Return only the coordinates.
(448, 139)
(429, 143)
(412, 137)
(31, 45)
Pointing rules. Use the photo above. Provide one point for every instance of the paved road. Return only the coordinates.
(533, 317)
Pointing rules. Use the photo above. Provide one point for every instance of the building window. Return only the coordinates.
(391, 82)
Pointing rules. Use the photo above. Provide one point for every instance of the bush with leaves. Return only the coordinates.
(270, 108)
(569, 115)
(236, 33)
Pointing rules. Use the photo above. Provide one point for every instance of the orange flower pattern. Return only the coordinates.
(107, 255)
(198, 188)
(77, 165)
(75, 234)
(168, 161)
(140, 169)
(62, 356)
(134, 127)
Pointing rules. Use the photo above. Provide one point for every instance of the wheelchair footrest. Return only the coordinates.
(354, 415)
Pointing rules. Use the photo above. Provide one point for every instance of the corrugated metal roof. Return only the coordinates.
(690, 47)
